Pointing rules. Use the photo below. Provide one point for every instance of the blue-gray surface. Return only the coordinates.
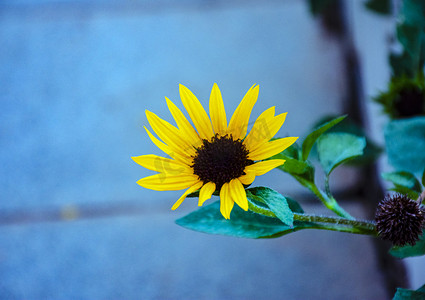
(147, 256)
(75, 79)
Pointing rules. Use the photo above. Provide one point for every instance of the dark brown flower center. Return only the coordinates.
(220, 160)
(410, 103)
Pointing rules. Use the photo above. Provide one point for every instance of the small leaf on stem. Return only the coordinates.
(312, 137)
(275, 201)
(337, 148)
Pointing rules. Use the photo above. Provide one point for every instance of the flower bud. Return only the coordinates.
(399, 220)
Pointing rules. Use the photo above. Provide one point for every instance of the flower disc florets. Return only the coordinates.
(220, 160)
(399, 220)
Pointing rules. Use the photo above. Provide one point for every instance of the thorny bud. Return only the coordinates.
(399, 219)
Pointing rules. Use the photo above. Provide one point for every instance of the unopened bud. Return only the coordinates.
(399, 219)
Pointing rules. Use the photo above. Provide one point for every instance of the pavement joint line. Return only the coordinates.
(76, 212)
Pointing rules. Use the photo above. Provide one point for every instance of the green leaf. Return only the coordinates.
(405, 144)
(404, 179)
(414, 12)
(405, 294)
(296, 167)
(410, 37)
(292, 151)
(257, 205)
(411, 34)
(371, 151)
(208, 219)
(402, 64)
(408, 251)
(294, 205)
(313, 136)
(383, 7)
(337, 148)
(319, 6)
(275, 201)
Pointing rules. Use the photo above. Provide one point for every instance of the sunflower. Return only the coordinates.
(217, 156)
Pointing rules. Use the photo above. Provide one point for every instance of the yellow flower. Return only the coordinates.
(217, 155)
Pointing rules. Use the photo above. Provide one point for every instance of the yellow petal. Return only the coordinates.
(188, 191)
(226, 202)
(260, 127)
(182, 158)
(197, 113)
(265, 127)
(238, 193)
(206, 192)
(239, 122)
(183, 124)
(217, 112)
(162, 164)
(168, 182)
(170, 135)
(271, 148)
(248, 178)
(263, 167)
(229, 203)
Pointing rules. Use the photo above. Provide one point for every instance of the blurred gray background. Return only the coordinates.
(75, 80)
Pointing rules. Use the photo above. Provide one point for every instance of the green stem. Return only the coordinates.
(341, 228)
(326, 198)
(330, 202)
(323, 222)
(327, 188)
(348, 225)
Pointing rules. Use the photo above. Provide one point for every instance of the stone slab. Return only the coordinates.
(147, 256)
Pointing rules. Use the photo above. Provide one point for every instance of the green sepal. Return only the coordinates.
(244, 224)
(405, 191)
(313, 136)
(404, 183)
(275, 201)
(408, 251)
(423, 178)
(405, 294)
(336, 148)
